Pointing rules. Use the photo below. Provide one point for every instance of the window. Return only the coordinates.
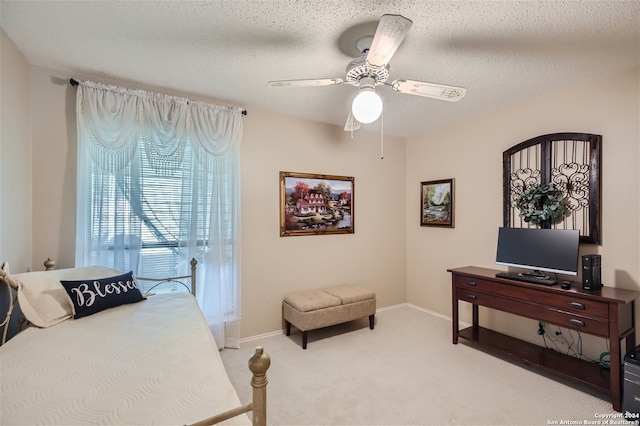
(158, 185)
(145, 226)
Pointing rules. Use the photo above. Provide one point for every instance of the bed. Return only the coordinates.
(148, 361)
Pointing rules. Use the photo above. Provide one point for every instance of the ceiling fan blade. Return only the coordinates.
(430, 90)
(306, 83)
(390, 32)
(351, 124)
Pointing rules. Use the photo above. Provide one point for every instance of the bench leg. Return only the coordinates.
(371, 321)
(288, 328)
(304, 340)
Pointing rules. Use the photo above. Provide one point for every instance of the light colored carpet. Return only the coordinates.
(405, 372)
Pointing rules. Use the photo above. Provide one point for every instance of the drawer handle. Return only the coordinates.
(577, 305)
(472, 296)
(472, 283)
(577, 322)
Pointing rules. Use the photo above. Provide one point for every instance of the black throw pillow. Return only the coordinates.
(95, 295)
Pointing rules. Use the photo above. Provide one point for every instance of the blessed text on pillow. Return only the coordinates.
(43, 300)
(94, 295)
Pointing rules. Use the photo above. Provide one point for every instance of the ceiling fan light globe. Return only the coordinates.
(366, 106)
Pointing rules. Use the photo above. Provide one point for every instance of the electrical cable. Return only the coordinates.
(574, 347)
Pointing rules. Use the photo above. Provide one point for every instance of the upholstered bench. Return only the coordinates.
(313, 309)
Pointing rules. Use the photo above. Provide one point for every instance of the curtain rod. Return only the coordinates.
(75, 82)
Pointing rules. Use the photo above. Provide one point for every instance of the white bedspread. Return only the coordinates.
(152, 362)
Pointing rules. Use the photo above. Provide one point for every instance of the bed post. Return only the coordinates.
(11, 300)
(193, 262)
(259, 364)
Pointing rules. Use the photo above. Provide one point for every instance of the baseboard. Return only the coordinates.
(261, 336)
(386, 308)
(428, 311)
(437, 314)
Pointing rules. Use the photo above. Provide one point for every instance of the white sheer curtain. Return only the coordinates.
(158, 178)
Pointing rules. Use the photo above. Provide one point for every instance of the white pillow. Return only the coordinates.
(42, 298)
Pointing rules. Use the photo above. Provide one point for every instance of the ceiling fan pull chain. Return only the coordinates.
(382, 136)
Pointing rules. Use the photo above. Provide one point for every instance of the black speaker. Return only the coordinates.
(591, 272)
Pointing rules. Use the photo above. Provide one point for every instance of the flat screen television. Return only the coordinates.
(548, 250)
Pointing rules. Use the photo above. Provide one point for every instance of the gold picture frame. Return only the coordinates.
(315, 204)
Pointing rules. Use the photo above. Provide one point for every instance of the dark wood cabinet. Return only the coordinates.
(607, 313)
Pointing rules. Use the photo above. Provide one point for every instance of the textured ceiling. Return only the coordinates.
(501, 51)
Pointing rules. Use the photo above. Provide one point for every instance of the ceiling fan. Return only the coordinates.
(372, 69)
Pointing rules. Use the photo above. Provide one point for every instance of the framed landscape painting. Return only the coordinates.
(437, 203)
(312, 204)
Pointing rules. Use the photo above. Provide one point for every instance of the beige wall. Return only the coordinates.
(373, 256)
(15, 157)
(54, 168)
(471, 152)
(272, 266)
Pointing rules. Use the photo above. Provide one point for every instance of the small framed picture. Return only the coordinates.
(312, 204)
(437, 203)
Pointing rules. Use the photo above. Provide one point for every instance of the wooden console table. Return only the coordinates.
(607, 313)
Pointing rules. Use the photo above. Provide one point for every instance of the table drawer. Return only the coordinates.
(565, 300)
(518, 307)
(595, 326)
(536, 311)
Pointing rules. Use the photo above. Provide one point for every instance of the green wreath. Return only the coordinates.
(542, 203)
